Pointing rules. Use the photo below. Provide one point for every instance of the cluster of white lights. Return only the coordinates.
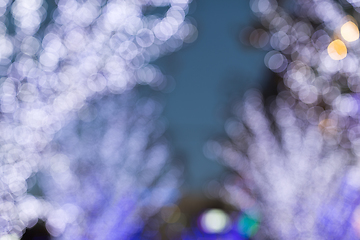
(48, 73)
(294, 154)
(316, 53)
(111, 170)
(289, 166)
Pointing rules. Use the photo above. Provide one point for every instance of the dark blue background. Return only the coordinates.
(208, 74)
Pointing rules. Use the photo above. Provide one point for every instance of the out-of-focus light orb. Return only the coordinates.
(328, 126)
(349, 31)
(248, 225)
(214, 221)
(337, 50)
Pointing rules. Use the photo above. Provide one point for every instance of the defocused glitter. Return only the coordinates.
(314, 50)
(111, 169)
(313, 47)
(290, 168)
(51, 68)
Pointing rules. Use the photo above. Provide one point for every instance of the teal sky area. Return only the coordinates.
(208, 73)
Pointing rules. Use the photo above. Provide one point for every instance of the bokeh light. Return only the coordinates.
(248, 225)
(350, 31)
(54, 60)
(337, 50)
(273, 148)
(214, 221)
(292, 152)
(112, 169)
(314, 51)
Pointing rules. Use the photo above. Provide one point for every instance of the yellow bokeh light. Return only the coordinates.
(337, 50)
(349, 31)
(327, 125)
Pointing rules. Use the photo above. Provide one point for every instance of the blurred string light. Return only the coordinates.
(111, 171)
(295, 155)
(291, 168)
(50, 70)
(314, 49)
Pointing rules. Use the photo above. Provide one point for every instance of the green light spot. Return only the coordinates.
(248, 226)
